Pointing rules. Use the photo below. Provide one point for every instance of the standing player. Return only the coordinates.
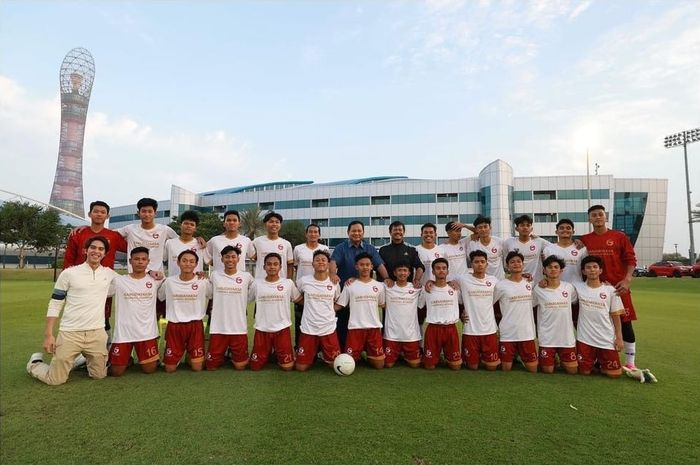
(479, 339)
(303, 263)
(363, 297)
(401, 329)
(135, 321)
(566, 249)
(232, 221)
(619, 260)
(492, 246)
(318, 320)
(229, 326)
(599, 331)
(428, 250)
(398, 252)
(517, 327)
(186, 304)
(442, 305)
(455, 249)
(186, 241)
(528, 246)
(272, 295)
(79, 292)
(555, 325)
(271, 242)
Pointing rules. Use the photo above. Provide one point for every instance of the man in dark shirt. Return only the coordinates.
(399, 252)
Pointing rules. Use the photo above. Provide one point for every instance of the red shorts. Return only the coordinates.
(441, 338)
(218, 343)
(146, 351)
(483, 348)
(526, 350)
(567, 356)
(367, 339)
(629, 314)
(308, 348)
(609, 359)
(184, 336)
(264, 342)
(392, 350)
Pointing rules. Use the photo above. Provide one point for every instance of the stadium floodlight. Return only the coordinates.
(674, 140)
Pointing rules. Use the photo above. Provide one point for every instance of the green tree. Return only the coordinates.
(209, 225)
(675, 257)
(294, 231)
(28, 226)
(252, 223)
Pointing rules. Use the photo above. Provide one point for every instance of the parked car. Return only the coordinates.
(638, 272)
(696, 270)
(669, 268)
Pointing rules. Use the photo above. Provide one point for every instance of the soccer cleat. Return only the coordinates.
(79, 362)
(36, 357)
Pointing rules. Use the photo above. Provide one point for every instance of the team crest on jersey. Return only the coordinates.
(238, 245)
(528, 287)
(193, 249)
(195, 286)
(374, 288)
(239, 280)
(494, 250)
(280, 247)
(450, 292)
(532, 248)
(574, 253)
(603, 295)
(155, 235)
(149, 285)
(488, 284)
(280, 287)
(411, 291)
(461, 248)
(437, 255)
(564, 294)
(609, 242)
(329, 287)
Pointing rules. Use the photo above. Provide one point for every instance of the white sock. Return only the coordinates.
(629, 348)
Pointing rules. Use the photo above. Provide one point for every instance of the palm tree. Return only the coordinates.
(251, 222)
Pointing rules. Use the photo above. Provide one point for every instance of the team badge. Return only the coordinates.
(488, 284)
(195, 286)
(156, 235)
(238, 246)
(280, 287)
(239, 280)
(300, 351)
(115, 351)
(574, 253)
(437, 255)
(254, 356)
(543, 353)
(528, 287)
(532, 248)
(450, 291)
(349, 350)
(503, 349)
(149, 285)
(169, 351)
(461, 248)
(374, 288)
(609, 242)
(603, 295)
(193, 249)
(411, 291)
(494, 250)
(564, 294)
(280, 247)
(428, 353)
(329, 287)
(387, 350)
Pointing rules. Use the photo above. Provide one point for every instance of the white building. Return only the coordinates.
(636, 206)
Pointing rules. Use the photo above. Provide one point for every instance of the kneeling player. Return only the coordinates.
(364, 296)
(186, 305)
(135, 321)
(318, 319)
(442, 312)
(555, 325)
(401, 328)
(517, 327)
(599, 330)
(479, 339)
(272, 295)
(229, 324)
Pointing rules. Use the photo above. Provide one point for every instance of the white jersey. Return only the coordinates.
(264, 246)
(303, 260)
(319, 317)
(184, 300)
(135, 317)
(427, 256)
(272, 299)
(442, 304)
(217, 243)
(531, 251)
(595, 307)
(363, 300)
(229, 294)
(153, 239)
(456, 255)
(515, 300)
(401, 313)
(572, 258)
(174, 247)
(494, 256)
(555, 326)
(477, 294)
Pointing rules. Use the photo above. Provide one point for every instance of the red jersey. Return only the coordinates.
(75, 253)
(616, 250)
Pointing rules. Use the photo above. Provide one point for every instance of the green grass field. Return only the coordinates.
(396, 416)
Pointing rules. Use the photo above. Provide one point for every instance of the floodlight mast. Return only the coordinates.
(684, 138)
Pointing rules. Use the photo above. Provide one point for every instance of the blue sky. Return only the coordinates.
(215, 94)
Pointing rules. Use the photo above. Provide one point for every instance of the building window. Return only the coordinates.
(349, 201)
(576, 217)
(282, 204)
(264, 206)
(380, 220)
(381, 200)
(468, 196)
(545, 217)
(344, 222)
(444, 219)
(442, 198)
(413, 198)
(322, 222)
(379, 241)
(522, 195)
(544, 195)
(416, 219)
(219, 209)
(317, 203)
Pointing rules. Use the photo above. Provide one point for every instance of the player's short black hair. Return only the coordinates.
(323, 252)
(553, 258)
(595, 207)
(190, 215)
(147, 202)
(354, 222)
(592, 259)
(184, 252)
(522, 219)
(565, 221)
(98, 203)
(140, 249)
(428, 225)
(230, 248)
(482, 220)
(477, 253)
(402, 264)
(439, 260)
(448, 226)
(396, 224)
(313, 225)
(362, 255)
(273, 255)
(97, 238)
(232, 212)
(512, 254)
(271, 214)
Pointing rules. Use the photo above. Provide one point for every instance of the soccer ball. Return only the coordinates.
(344, 365)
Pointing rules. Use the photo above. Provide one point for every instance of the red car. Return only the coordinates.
(668, 268)
(696, 270)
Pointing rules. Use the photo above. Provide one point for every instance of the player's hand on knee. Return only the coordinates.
(49, 344)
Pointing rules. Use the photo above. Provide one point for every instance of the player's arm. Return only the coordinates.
(617, 323)
(333, 268)
(49, 339)
(56, 304)
(290, 269)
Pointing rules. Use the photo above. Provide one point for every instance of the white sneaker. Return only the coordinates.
(80, 362)
(34, 358)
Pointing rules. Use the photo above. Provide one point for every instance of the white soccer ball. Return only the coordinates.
(344, 365)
